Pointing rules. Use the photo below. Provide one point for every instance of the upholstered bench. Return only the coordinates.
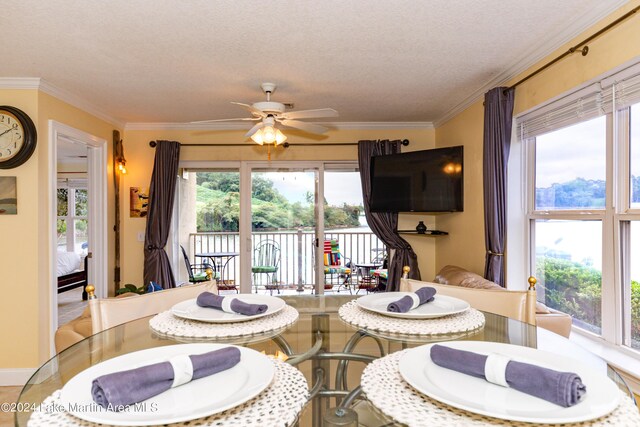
(546, 318)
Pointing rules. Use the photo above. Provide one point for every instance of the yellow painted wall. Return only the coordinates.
(465, 246)
(27, 293)
(20, 278)
(140, 165)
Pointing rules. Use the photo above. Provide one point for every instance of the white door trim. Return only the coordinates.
(97, 215)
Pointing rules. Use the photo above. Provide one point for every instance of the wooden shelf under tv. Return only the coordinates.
(429, 233)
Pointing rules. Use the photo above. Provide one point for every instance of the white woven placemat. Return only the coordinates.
(278, 405)
(388, 392)
(462, 322)
(168, 324)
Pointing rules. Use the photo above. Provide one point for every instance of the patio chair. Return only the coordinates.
(197, 272)
(334, 269)
(266, 260)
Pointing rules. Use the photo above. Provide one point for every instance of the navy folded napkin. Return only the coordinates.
(207, 299)
(407, 302)
(118, 389)
(562, 388)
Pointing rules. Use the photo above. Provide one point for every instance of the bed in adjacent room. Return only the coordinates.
(72, 272)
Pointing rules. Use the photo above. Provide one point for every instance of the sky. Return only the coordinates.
(584, 144)
(339, 187)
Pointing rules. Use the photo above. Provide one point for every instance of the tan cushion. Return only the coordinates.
(541, 308)
(79, 328)
(555, 321)
(546, 318)
(457, 276)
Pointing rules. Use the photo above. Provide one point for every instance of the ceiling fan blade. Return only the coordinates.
(251, 109)
(307, 127)
(228, 120)
(310, 114)
(254, 129)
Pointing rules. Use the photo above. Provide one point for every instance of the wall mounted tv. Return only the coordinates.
(418, 181)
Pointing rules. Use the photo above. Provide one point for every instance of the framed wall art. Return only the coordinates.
(138, 202)
(8, 195)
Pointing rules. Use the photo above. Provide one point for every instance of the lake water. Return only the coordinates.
(8, 209)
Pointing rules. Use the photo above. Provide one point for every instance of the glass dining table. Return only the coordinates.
(328, 351)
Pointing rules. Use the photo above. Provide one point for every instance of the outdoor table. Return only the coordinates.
(328, 351)
(364, 278)
(220, 256)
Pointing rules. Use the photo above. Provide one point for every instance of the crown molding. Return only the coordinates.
(380, 125)
(19, 83)
(244, 125)
(59, 93)
(79, 102)
(186, 126)
(535, 54)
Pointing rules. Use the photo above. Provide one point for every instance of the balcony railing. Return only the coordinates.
(296, 252)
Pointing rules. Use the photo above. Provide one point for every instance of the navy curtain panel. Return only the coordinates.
(385, 224)
(157, 267)
(498, 116)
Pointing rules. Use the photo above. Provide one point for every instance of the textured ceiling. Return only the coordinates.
(179, 61)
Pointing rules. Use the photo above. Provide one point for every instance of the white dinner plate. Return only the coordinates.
(442, 305)
(190, 310)
(196, 399)
(481, 397)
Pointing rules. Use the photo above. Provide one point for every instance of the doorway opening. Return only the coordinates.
(78, 237)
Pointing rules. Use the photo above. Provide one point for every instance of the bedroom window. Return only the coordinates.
(583, 205)
(72, 218)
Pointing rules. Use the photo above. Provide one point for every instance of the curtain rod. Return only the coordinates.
(576, 48)
(152, 144)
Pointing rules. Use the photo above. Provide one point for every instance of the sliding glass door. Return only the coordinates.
(269, 218)
(284, 227)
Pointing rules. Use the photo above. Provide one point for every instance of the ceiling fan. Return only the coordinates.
(268, 113)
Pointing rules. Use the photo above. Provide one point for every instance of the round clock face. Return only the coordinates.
(11, 136)
(18, 137)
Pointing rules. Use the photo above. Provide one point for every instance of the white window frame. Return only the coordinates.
(245, 168)
(616, 215)
(603, 215)
(71, 216)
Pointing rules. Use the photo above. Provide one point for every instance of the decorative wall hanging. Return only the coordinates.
(8, 195)
(138, 202)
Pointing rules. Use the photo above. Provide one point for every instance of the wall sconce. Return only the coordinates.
(118, 155)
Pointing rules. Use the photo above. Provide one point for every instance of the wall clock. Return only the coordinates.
(18, 137)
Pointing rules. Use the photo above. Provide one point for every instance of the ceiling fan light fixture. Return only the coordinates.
(258, 137)
(269, 134)
(280, 137)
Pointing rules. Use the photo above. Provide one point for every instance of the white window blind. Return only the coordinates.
(620, 88)
(625, 86)
(576, 107)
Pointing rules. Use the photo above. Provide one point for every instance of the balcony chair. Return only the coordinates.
(334, 269)
(266, 260)
(197, 272)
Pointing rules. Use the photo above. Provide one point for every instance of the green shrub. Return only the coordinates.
(576, 289)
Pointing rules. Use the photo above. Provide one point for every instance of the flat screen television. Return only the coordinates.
(418, 181)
